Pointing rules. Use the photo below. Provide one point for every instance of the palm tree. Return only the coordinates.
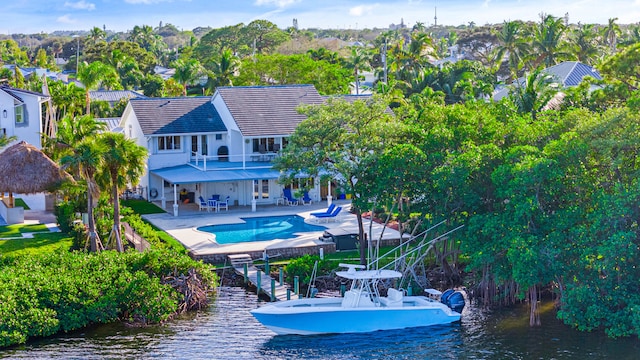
(96, 35)
(123, 164)
(511, 43)
(224, 69)
(187, 71)
(584, 42)
(359, 60)
(85, 159)
(532, 96)
(95, 74)
(611, 33)
(548, 42)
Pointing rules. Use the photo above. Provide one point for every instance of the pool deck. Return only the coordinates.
(201, 244)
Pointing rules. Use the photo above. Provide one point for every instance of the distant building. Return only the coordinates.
(398, 26)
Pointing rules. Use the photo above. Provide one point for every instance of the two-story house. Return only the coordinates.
(221, 145)
(21, 116)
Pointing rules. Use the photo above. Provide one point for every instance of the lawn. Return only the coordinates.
(40, 243)
(8, 231)
(142, 207)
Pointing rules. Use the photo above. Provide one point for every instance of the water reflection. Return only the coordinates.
(228, 331)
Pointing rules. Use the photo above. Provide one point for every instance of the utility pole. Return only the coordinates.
(77, 52)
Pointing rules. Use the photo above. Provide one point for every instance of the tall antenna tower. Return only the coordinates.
(435, 16)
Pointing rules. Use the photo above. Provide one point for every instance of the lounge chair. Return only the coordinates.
(306, 199)
(329, 216)
(289, 198)
(328, 211)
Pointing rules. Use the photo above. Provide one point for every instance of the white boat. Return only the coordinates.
(362, 309)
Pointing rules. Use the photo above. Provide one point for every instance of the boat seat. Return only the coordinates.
(352, 300)
(394, 298)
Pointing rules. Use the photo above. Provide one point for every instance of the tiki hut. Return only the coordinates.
(26, 170)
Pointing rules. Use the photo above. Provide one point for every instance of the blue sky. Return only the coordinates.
(32, 16)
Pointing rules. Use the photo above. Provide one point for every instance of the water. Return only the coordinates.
(228, 331)
(261, 229)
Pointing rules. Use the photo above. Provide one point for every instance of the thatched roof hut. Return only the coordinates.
(26, 170)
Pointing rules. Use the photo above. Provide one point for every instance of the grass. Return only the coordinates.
(20, 202)
(142, 207)
(41, 243)
(16, 230)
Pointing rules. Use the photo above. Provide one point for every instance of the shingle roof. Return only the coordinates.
(15, 93)
(177, 115)
(114, 95)
(268, 110)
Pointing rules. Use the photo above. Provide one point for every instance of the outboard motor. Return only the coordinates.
(453, 299)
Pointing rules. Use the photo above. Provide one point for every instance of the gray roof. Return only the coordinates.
(113, 96)
(15, 93)
(111, 123)
(568, 73)
(158, 116)
(571, 73)
(268, 110)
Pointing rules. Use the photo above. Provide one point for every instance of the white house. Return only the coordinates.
(220, 145)
(21, 116)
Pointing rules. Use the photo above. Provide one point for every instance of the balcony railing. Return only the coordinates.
(219, 162)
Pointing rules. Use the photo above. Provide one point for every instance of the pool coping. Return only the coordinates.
(202, 245)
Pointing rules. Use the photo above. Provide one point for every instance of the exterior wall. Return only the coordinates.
(28, 131)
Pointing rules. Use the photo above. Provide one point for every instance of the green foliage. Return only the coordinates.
(302, 267)
(142, 207)
(42, 243)
(44, 294)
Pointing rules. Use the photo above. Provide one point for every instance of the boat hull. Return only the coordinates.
(322, 316)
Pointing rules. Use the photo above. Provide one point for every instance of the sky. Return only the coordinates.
(34, 16)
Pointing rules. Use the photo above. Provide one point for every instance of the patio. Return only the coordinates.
(202, 245)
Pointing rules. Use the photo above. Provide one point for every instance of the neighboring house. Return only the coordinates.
(220, 145)
(21, 116)
(114, 96)
(566, 74)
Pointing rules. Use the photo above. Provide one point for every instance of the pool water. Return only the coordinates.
(261, 229)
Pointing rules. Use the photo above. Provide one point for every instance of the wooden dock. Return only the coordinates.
(238, 262)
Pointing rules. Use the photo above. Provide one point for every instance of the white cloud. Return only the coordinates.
(65, 19)
(278, 3)
(146, 2)
(80, 5)
(361, 10)
(485, 4)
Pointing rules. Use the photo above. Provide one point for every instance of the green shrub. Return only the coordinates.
(43, 294)
(65, 215)
(302, 267)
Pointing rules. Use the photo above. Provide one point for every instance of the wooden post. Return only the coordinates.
(273, 290)
(258, 282)
(281, 277)
(296, 285)
(288, 294)
(246, 273)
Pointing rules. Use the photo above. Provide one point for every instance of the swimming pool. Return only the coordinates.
(261, 229)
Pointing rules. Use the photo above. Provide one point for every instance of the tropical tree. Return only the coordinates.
(536, 92)
(223, 69)
(123, 164)
(610, 34)
(549, 45)
(359, 60)
(94, 75)
(342, 139)
(511, 43)
(187, 72)
(584, 41)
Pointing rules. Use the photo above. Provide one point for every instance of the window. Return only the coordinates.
(264, 144)
(260, 189)
(19, 114)
(168, 143)
(205, 145)
(218, 136)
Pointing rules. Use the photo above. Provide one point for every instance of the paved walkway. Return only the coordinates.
(184, 227)
(35, 217)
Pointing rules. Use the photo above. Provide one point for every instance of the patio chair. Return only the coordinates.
(203, 204)
(332, 216)
(306, 199)
(328, 211)
(213, 205)
(290, 199)
(224, 204)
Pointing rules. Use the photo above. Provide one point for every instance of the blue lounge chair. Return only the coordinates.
(306, 199)
(290, 199)
(330, 216)
(328, 211)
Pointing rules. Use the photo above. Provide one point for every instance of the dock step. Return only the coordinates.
(238, 260)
